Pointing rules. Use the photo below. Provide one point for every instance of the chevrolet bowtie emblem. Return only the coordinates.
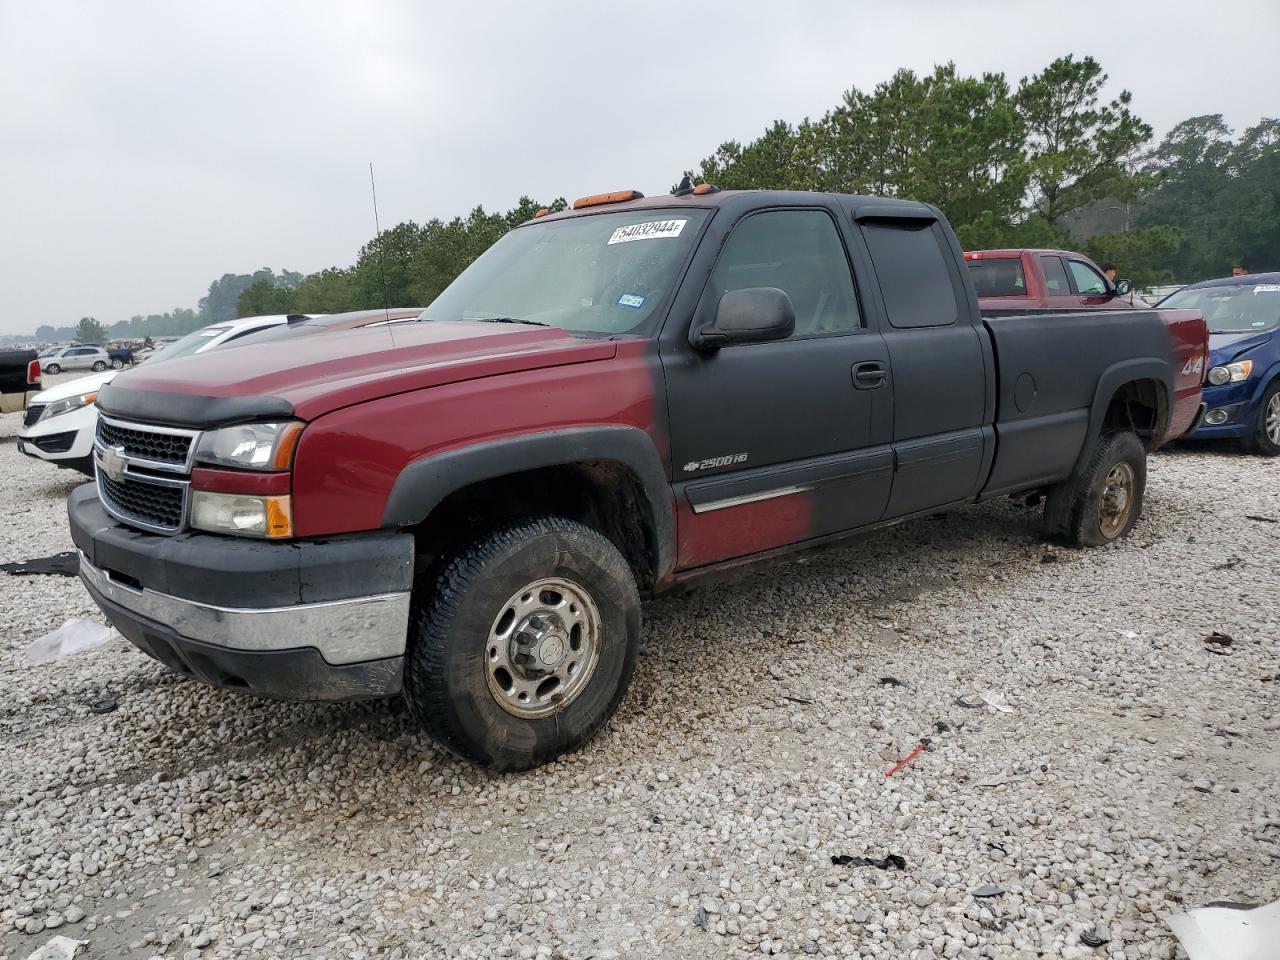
(112, 463)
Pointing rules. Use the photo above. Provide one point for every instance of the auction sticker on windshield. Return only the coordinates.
(1260, 288)
(652, 230)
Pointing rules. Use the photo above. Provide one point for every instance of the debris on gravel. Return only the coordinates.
(750, 750)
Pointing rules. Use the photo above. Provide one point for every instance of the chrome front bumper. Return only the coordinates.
(342, 631)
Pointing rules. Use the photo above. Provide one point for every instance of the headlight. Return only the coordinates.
(59, 407)
(250, 446)
(1231, 373)
(245, 516)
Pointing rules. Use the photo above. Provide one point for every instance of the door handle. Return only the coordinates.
(868, 376)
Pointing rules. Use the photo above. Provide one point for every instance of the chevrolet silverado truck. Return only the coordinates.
(609, 403)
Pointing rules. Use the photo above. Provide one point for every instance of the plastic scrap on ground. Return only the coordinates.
(74, 636)
(921, 747)
(59, 948)
(890, 861)
(1218, 642)
(65, 564)
(996, 701)
(1228, 931)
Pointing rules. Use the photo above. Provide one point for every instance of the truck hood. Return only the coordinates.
(1225, 347)
(307, 377)
(73, 388)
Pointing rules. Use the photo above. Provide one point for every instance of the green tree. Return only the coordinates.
(264, 298)
(329, 291)
(45, 332)
(1222, 195)
(89, 330)
(1142, 256)
(1078, 148)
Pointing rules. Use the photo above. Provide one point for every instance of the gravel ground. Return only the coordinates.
(1135, 775)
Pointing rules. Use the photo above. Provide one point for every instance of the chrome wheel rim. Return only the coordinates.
(1117, 500)
(1272, 425)
(542, 648)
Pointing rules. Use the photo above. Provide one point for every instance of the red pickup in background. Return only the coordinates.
(1021, 281)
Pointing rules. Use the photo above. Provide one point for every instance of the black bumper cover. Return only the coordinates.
(222, 571)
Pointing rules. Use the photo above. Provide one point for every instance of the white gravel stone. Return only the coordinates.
(217, 825)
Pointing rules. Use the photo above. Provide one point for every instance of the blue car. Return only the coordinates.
(1242, 392)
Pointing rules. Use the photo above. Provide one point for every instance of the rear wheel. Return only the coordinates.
(117, 364)
(52, 369)
(523, 645)
(1266, 433)
(1103, 502)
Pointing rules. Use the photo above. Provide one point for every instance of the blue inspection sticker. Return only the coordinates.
(632, 300)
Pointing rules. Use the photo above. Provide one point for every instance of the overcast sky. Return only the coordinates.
(149, 147)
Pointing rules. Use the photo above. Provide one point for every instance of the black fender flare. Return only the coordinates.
(1111, 380)
(424, 483)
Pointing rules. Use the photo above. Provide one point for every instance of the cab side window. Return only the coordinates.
(799, 252)
(1089, 282)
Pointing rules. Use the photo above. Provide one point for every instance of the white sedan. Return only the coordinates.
(60, 422)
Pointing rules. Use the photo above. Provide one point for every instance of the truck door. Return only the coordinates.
(941, 360)
(775, 443)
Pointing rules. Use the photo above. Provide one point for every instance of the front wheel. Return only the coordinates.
(524, 644)
(1266, 433)
(99, 366)
(1102, 503)
(52, 369)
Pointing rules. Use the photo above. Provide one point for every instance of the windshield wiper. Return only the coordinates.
(535, 323)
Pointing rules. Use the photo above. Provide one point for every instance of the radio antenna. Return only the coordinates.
(382, 258)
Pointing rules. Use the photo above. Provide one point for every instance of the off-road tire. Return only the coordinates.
(454, 608)
(53, 369)
(1258, 441)
(1074, 508)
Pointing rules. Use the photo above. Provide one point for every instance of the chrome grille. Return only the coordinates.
(33, 414)
(145, 444)
(144, 473)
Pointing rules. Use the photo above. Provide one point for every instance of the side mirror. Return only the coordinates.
(750, 315)
(1123, 288)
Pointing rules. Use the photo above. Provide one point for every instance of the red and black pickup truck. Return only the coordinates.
(610, 402)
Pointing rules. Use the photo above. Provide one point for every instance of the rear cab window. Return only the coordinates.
(1055, 276)
(998, 277)
(911, 268)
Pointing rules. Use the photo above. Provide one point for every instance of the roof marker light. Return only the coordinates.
(618, 196)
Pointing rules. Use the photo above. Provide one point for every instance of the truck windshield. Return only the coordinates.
(191, 343)
(1238, 308)
(603, 274)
